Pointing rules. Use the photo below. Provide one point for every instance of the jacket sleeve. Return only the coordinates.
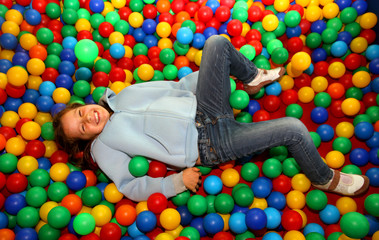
(115, 165)
(188, 83)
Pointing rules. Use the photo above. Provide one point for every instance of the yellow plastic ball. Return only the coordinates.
(325, 2)
(10, 27)
(344, 237)
(136, 20)
(163, 29)
(335, 159)
(245, 29)
(128, 51)
(15, 145)
(59, 172)
(35, 66)
(345, 129)
(27, 164)
(303, 216)
(225, 218)
(112, 194)
(82, 24)
(198, 56)
(108, 7)
(375, 236)
(368, 20)
(293, 235)
(300, 182)
(302, 3)
(336, 70)
(85, 209)
(51, 147)
(314, 3)
(128, 76)
(313, 13)
(306, 94)
(28, 40)
(350, 106)
(61, 95)
(141, 206)
(39, 225)
(116, 37)
(14, 16)
(230, 177)
(27, 110)
(30, 130)
(164, 236)
(270, 22)
(293, 72)
(301, 61)
(286, 82)
(17, 76)
(7, 54)
(3, 80)
(281, 5)
(170, 219)
(45, 209)
(118, 3)
(9, 119)
(102, 215)
(191, 54)
(43, 118)
(260, 203)
(176, 232)
(319, 84)
(346, 204)
(361, 79)
(145, 72)
(34, 82)
(117, 86)
(295, 199)
(330, 10)
(358, 45)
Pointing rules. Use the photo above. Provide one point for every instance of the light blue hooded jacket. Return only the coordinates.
(155, 120)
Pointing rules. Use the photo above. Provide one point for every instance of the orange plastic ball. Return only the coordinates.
(336, 90)
(73, 203)
(126, 215)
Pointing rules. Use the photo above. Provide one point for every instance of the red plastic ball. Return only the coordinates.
(271, 103)
(153, 52)
(369, 35)
(7, 132)
(110, 231)
(157, 169)
(282, 184)
(91, 236)
(105, 29)
(294, 44)
(346, 80)
(100, 79)
(353, 61)
(336, 109)
(67, 236)
(39, 5)
(3, 96)
(253, 34)
(222, 13)
(238, 41)
(321, 68)
(55, 25)
(200, 27)
(228, 3)
(117, 74)
(149, 11)
(90, 178)
(166, 17)
(234, 27)
(257, 46)
(213, 23)
(267, 12)
(191, 8)
(125, 63)
(59, 156)
(223, 236)
(84, 34)
(157, 64)
(336, 90)
(331, 228)
(289, 96)
(291, 220)
(205, 14)
(254, 14)
(140, 59)
(303, 80)
(20, 123)
(305, 26)
(298, 8)
(153, 234)
(35, 148)
(369, 99)
(2, 200)
(124, 13)
(2, 181)
(177, 6)
(157, 202)
(261, 115)
(15, 92)
(16, 183)
(50, 74)
(268, 2)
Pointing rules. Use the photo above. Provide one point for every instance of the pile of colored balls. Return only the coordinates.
(54, 53)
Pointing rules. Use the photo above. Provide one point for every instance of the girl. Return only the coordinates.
(186, 123)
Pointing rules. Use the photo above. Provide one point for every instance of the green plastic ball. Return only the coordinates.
(246, 235)
(8, 163)
(279, 152)
(84, 223)
(372, 204)
(244, 117)
(138, 166)
(290, 167)
(334, 236)
(354, 225)
(316, 200)
(91, 196)
(224, 203)
(294, 110)
(314, 236)
(248, 51)
(45, 36)
(233, 85)
(170, 72)
(239, 99)
(274, 44)
(204, 170)
(69, 16)
(27, 217)
(262, 62)
(348, 15)
(82, 88)
(47, 232)
(181, 199)
(53, 10)
(322, 99)
(140, 49)
(342, 144)
(249, 171)
(267, 37)
(86, 50)
(361, 118)
(122, 26)
(167, 56)
(329, 35)
(373, 113)
(280, 29)
(354, 28)
(54, 48)
(354, 92)
(59, 217)
(279, 55)
(57, 191)
(40, 178)
(240, 13)
(103, 65)
(36, 196)
(210, 203)
(292, 18)
(272, 168)
(243, 196)
(47, 131)
(181, 49)
(335, 23)
(52, 61)
(313, 40)
(197, 205)
(190, 24)
(316, 138)
(98, 93)
(351, 169)
(112, 17)
(191, 233)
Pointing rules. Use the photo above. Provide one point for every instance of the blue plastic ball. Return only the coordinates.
(69, 42)
(96, 6)
(374, 66)
(256, 219)
(184, 35)
(76, 180)
(326, 132)
(46, 88)
(374, 224)
(276, 200)
(345, 36)
(237, 223)
(364, 131)
(313, 227)
(44, 163)
(223, 29)
(319, 54)
(375, 85)
(293, 31)
(14, 203)
(330, 214)
(197, 223)
(373, 156)
(184, 71)
(12, 104)
(253, 106)
(261, 187)
(102, 186)
(359, 157)
(26, 234)
(56, 108)
(372, 52)
(212, 185)
(83, 73)
(360, 6)
(20, 58)
(150, 41)
(319, 115)
(133, 231)
(117, 50)
(149, 26)
(66, 67)
(273, 89)
(213, 223)
(8, 41)
(338, 48)
(213, 4)
(146, 221)
(273, 217)
(373, 175)
(318, 26)
(64, 80)
(3, 220)
(33, 17)
(185, 215)
(198, 40)
(208, 32)
(240, 209)
(68, 54)
(373, 142)
(5, 64)
(139, 35)
(44, 103)
(342, 4)
(272, 236)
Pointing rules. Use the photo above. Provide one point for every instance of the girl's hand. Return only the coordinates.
(191, 178)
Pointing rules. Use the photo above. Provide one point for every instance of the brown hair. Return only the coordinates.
(77, 149)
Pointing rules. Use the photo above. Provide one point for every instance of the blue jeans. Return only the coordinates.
(222, 138)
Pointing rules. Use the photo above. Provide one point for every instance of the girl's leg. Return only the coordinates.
(220, 60)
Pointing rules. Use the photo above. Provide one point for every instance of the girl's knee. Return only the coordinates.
(296, 124)
(215, 40)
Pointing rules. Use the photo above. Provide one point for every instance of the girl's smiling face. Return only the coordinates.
(85, 122)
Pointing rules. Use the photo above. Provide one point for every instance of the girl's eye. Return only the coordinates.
(80, 113)
(83, 129)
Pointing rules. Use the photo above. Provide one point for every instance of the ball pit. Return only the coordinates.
(54, 53)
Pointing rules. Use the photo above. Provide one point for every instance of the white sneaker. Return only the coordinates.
(263, 78)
